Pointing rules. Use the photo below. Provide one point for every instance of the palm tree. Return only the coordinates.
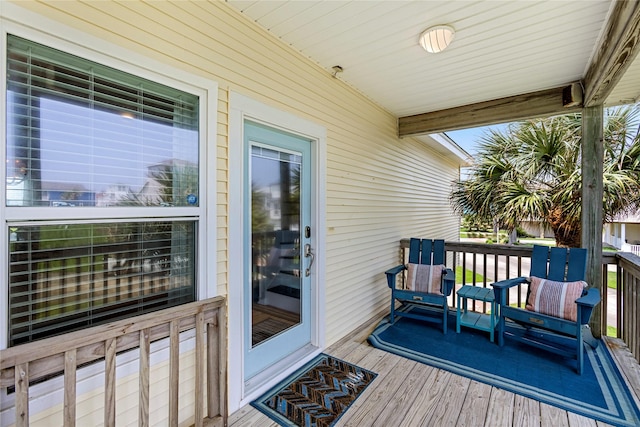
(532, 171)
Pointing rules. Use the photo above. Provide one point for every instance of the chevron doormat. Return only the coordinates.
(317, 394)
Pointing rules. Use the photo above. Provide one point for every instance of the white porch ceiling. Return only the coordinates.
(501, 48)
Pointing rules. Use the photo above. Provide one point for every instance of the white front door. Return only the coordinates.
(278, 246)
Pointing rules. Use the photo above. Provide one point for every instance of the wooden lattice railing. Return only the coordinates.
(23, 365)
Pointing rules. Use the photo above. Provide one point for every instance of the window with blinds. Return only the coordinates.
(83, 135)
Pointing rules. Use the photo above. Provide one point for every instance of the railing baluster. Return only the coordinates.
(454, 267)
(174, 372)
(110, 382)
(70, 365)
(143, 390)
(213, 369)
(633, 325)
(199, 369)
(484, 279)
(473, 276)
(484, 270)
(519, 287)
(604, 298)
(220, 354)
(22, 394)
(495, 271)
(464, 268)
(626, 296)
(619, 285)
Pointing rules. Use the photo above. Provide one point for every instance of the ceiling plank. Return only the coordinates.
(619, 46)
(520, 107)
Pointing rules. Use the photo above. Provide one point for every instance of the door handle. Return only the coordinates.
(307, 254)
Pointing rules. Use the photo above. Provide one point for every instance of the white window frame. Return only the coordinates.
(51, 33)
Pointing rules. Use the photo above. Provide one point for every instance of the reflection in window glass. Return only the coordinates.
(66, 277)
(78, 138)
(275, 241)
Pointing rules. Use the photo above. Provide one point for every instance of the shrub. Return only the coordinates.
(521, 232)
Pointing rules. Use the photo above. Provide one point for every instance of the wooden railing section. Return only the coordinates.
(499, 262)
(628, 301)
(25, 364)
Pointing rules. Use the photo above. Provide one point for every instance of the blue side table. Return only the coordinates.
(472, 319)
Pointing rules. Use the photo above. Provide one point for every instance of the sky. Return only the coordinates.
(468, 139)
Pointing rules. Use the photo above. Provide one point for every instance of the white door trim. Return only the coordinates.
(242, 107)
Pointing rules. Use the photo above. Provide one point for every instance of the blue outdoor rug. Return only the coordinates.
(317, 394)
(598, 393)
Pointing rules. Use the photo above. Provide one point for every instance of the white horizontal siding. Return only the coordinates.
(399, 190)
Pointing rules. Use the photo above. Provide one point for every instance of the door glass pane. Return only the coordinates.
(275, 234)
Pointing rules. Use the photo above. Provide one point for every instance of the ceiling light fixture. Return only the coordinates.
(436, 39)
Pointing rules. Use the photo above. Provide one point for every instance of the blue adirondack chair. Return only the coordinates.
(424, 252)
(538, 329)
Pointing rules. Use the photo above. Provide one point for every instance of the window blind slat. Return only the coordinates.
(24, 54)
(61, 276)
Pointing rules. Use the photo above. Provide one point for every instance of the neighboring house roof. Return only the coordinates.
(628, 218)
(442, 143)
(62, 186)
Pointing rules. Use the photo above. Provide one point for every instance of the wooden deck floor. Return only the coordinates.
(408, 393)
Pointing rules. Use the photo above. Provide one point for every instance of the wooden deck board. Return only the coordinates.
(501, 408)
(404, 397)
(447, 411)
(427, 401)
(476, 403)
(579, 420)
(407, 393)
(248, 416)
(526, 412)
(552, 416)
(377, 395)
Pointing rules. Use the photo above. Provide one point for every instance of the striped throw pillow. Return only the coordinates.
(425, 278)
(555, 299)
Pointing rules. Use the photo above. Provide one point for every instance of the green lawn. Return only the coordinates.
(611, 275)
(468, 276)
(611, 279)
